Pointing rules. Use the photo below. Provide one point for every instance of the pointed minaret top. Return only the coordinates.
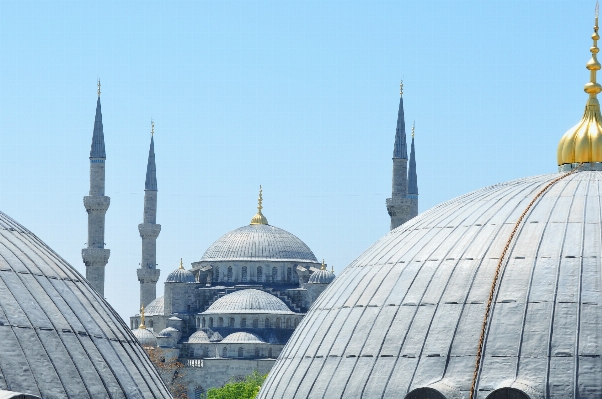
(98, 138)
(400, 149)
(259, 218)
(412, 176)
(151, 169)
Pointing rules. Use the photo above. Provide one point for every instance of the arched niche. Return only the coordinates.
(508, 393)
(425, 393)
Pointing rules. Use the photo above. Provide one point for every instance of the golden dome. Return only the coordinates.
(259, 218)
(583, 142)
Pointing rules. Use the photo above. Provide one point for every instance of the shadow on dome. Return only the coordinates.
(425, 393)
(508, 393)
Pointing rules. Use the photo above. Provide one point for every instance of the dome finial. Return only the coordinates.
(323, 265)
(583, 142)
(142, 326)
(181, 264)
(259, 218)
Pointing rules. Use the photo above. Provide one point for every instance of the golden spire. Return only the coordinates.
(259, 218)
(583, 142)
(142, 326)
(152, 127)
(401, 88)
(98, 87)
(323, 265)
(181, 264)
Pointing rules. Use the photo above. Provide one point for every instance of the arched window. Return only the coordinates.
(296, 322)
(274, 274)
(203, 322)
(220, 322)
(244, 274)
(150, 323)
(256, 352)
(421, 393)
(259, 274)
(225, 352)
(243, 323)
(270, 353)
(240, 352)
(211, 322)
(231, 322)
(278, 322)
(288, 323)
(507, 393)
(229, 274)
(267, 323)
(289, 274)
(216, 274)
(255, 323)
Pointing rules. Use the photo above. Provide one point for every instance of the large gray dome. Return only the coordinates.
(405, 317)
(248, 301)
(259, 242)
(58, 337)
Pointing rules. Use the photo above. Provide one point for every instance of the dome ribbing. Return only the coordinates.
(248, 301)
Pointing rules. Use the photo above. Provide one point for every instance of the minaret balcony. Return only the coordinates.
(149, 230)
(148, 275)
(97, 203)
(95, 256)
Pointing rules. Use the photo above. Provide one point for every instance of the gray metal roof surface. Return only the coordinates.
(407, 313)
(259, 242)
(156, 307)
(58, 337)
(321, 277)
(180, 276)
(242, 338)
(248, 301)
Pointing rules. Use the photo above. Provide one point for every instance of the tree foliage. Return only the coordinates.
(245, 389)
(170, 370)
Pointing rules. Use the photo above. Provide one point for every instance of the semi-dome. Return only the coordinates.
(59, 337)
(155, 308)
(145, 336)
(322, 276)
(199, 337)
(180, 275)
(248, 301)
(242, 338)
(408, 312)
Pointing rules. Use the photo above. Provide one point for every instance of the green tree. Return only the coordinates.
(245, 389)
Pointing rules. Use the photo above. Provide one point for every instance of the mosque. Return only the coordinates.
(495, 294)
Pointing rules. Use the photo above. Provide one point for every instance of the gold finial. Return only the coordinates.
(259, 218)
(98, 87)
(152, 128)
(332, 269)
(583, 142)
(181, 264)
(413, 126)
(142, 326)
(401, 88)
(323, 265)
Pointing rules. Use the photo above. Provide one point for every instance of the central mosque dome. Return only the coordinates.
(496, 294)
(248, 301)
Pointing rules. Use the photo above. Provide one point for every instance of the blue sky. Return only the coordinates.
(300, 97)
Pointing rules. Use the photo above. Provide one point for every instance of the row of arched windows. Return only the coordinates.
(244, 323)
(229, 277)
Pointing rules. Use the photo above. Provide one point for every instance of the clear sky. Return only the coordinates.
(300, 97)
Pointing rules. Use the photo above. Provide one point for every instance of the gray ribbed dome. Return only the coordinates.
(248, 301)
(242, 338)
(199, 337)
(321, 277)
(168, 332)
(407, 314)
(145, 337)
(156, 307)
(259, 242)
(180, 276)
(58, 337)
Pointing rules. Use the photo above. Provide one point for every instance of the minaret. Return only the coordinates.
(95, 256)
(413, 180)
(398, 205)
(148, 274)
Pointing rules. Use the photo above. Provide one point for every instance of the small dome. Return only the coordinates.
(216, 337)
(180, 275)
(259, 242)
(145, 337)
(242, 338)
(168, 332)
(248, 301)
(199, 337)
(321, 277)
(155, 308)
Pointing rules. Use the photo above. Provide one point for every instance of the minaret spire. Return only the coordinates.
(400, 148)
(96, 256)
(149, 230)
(412, 177)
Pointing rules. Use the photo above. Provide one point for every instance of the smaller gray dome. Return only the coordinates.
(242, 338)
(199, 337)
(180, 275)
(248, 301)
(155, 308)
(145, 336)
(321, 277)
(168, 332)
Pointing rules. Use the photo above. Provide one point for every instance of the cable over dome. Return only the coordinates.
(583, 142)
